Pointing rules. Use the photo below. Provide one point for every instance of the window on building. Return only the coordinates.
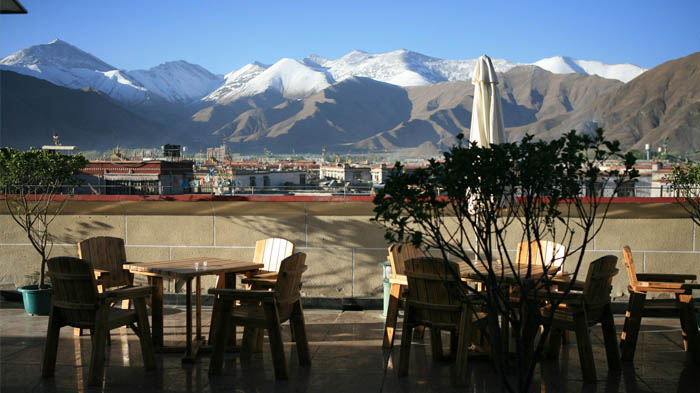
(302, 179)
(266, 181)
(252, 181)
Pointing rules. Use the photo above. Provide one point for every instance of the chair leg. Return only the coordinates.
(633, 321)
(612, 351)
(299, 328)
(585, 349)
(259, 337)
(392, 315)
(691, 336)
(464, 336)
(149, 359)
(406, 337)
(249, 342)
(436, 343)
(556, 336)
(223, 325)
(49, 361)
(99, 341)
(275, 335)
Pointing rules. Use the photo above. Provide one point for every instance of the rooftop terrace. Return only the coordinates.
(346, 356)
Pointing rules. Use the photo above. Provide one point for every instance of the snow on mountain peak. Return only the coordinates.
(287, 76)
(566, 65)
(178, 81)
(58, 54)
(66, 65)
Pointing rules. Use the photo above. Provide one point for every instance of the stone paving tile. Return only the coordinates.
(346, 357)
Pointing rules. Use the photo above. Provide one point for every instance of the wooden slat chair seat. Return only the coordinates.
(581, 310)
(640, 284)
(76, 302)
(263, 309)
(398, 254)
(435, 299)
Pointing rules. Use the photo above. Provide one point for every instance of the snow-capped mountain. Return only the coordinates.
(65, 65)
(566, 65)
(289, 77)
(178, 81)
(402, 67)
(181, 82)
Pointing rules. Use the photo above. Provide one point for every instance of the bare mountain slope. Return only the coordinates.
(32, 109)
(663, 102)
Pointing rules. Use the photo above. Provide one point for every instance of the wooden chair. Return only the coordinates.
(76, 302)
(108, 254)
(682, 306)
(579, 310)
(541, 252)
(398, 254)
(435, 299)
(263, 309)
(270, 252)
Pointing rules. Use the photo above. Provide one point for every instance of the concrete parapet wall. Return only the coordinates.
(343, 247)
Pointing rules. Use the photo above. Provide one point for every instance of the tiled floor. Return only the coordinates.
(346, 357)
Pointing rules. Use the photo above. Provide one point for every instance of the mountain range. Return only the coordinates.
(359, 102)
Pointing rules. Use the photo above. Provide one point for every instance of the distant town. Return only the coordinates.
(171, 170)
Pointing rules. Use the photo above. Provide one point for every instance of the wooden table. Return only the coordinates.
(187, 269)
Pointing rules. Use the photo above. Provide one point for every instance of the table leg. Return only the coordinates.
(226, 280)
(188, 322)
(157, 311)
(198, 303)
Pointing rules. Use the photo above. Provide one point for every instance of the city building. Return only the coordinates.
(346, 173)
(137, 177)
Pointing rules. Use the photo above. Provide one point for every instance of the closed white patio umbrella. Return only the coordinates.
(487, 115)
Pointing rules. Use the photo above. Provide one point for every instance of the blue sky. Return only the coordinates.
(225, 35)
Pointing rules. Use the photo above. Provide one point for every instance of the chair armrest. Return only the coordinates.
(261, 281)
(665, 277)
(241, 294)
(128, 293)
(263, 274)
(561, 297)
(259, 272)
(565, 281)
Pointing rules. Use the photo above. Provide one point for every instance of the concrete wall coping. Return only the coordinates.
(276, 205)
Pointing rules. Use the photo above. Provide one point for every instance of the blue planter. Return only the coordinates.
(36, 301)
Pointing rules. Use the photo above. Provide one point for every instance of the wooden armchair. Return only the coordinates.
(263, 309)
(107, 254)
(683, 306)
(76, 302)
(398, 254)
(270, 252)
(435, 299)
(578, 311)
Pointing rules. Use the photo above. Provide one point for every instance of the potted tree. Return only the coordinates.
(36, 184)
(469, 204)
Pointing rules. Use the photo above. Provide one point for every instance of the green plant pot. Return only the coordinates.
(36, 301)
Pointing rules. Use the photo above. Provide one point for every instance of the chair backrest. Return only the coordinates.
(628, 262)
(434, 290)
(539, 252)
(399, 253)
(74, 290)
(287, 287)
(598, 285)
(106, 253)
(272, 251)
